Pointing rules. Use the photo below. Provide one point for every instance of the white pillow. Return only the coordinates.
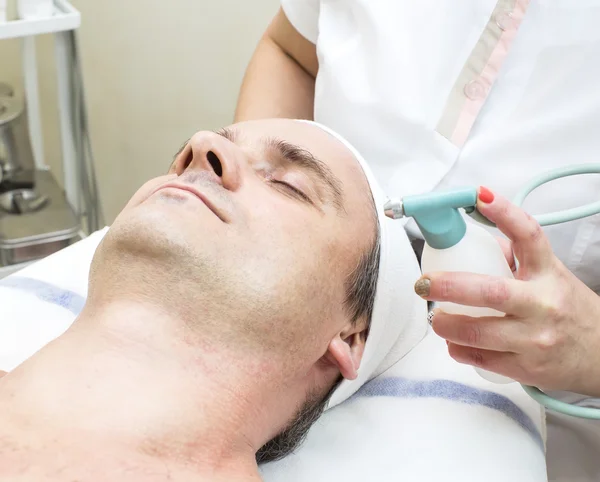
(425, 419)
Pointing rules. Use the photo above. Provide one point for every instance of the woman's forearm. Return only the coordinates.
(280, 79)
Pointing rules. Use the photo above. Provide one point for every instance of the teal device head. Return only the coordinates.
(437, 214)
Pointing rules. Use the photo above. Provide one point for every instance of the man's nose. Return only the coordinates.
(211, 152)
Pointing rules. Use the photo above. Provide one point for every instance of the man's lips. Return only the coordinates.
(192, 190)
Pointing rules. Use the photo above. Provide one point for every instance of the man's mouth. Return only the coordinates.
(194, 191)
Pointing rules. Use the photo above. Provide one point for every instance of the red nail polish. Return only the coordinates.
(485, 195)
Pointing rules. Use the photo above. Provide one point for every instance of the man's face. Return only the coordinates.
(261, 224)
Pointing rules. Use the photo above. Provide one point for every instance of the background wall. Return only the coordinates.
(155, 72)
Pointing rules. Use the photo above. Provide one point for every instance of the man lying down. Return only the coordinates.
(225, 304)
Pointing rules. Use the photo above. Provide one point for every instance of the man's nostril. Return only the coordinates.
(215, 163)
(188, 160)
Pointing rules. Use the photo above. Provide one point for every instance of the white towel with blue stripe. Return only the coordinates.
(39, 303)
(425, 419)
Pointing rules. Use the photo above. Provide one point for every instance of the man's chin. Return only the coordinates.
(150, 233)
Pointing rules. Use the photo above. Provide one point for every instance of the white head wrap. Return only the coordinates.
(398, 322)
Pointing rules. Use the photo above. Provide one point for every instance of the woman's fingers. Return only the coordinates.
(2, 373)
(530, 244)
(488, 333)
(503, 363)
(471, 289)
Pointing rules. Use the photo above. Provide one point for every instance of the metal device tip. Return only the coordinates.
(394, 209)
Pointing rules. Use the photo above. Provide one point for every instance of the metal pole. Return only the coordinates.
(32, 100)
(69, 157)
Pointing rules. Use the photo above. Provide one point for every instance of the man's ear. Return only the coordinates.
(346, 350)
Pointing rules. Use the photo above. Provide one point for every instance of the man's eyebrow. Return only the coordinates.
(227, 133)
(304, 159)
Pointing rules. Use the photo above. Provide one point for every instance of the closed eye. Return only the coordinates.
(294, 191)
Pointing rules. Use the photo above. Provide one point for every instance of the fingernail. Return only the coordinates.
(422, 287)
(485, 195)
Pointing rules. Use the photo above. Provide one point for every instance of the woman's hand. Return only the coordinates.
(550, 335)
(2, 373)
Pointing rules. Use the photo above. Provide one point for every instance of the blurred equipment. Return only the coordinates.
(32, 9)
(35, 218)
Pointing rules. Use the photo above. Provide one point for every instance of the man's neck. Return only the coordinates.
(130, 376)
